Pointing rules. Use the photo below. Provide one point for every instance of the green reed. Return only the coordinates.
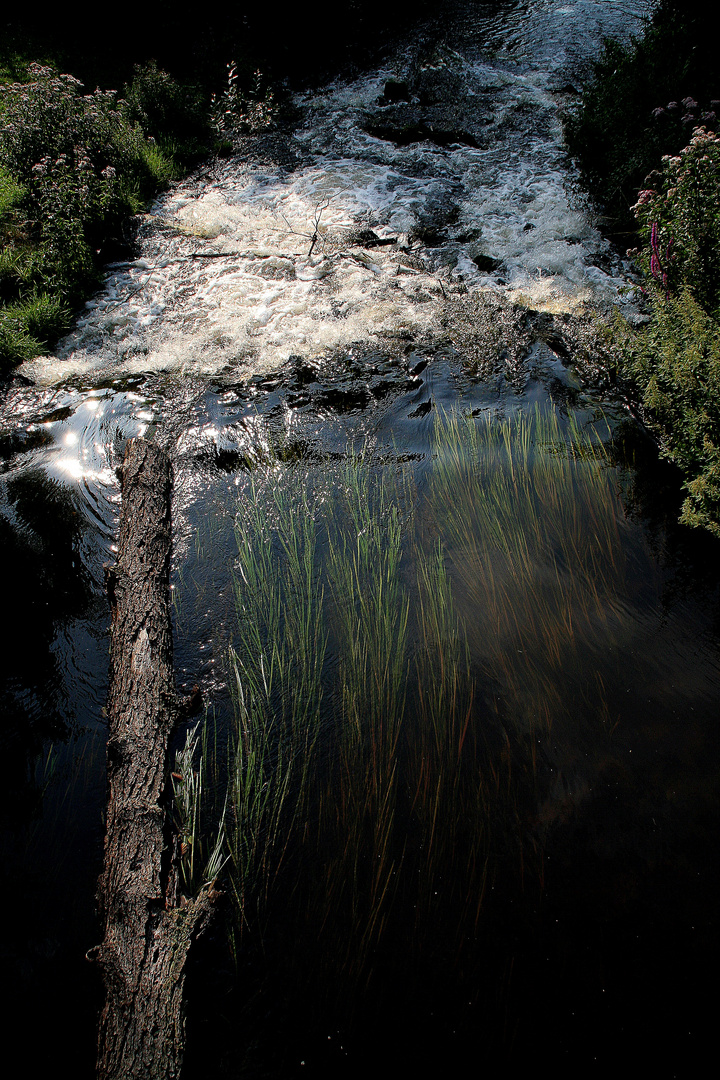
(370, 610)
(449, 782)
(276, 663)
(529, 516)
(202, 852)
(403, 647)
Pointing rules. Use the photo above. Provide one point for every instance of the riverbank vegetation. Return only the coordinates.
(645, 137)
(75, 168)
(642, 101)
(674, 360)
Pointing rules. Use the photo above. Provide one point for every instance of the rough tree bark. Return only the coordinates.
(149, 926)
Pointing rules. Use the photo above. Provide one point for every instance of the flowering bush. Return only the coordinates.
(643, 100)
(675, 361)
(74, 167)
(83, 166)
(680, 222)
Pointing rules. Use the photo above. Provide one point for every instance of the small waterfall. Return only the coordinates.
(354, 228)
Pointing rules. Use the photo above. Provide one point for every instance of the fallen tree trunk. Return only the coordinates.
(149, 926)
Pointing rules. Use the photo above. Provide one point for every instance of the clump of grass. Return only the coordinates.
(276, 665)
(402, 653)
(11, 196)
(201, 839)
(530, 519)
(27, 326)
(370, 620)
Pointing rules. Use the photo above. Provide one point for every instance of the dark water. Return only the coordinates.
(596, 896)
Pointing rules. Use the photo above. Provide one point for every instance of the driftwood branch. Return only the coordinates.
(149, 927)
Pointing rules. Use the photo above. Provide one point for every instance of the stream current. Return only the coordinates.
(413, 242)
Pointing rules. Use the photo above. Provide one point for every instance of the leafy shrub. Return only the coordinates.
(234, 112)
(680, 222)
(675, 361)
(173, 113)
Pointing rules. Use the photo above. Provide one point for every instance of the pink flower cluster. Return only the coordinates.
(709, 116)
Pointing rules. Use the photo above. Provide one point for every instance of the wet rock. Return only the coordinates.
(393, 382)
(396, 91)
(430, 237)
(602, 260)
(368, 239)
(298, 401)
(469, 236)
(418, 366)
(439, 213)
(486, 263)
(491, 334)
(380, 386)
(558, 346)
(344, 399)
(63, 413)
(434, 79)
(303, 373)
(263, 382)
(422, 410)
(407, 134)
(21, 441)
(232, 461)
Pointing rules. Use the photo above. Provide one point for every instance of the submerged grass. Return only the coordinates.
(276, 666)
(405, 646)
(529, 515)
(370, 617)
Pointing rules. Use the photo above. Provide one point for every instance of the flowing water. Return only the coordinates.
(403, 255)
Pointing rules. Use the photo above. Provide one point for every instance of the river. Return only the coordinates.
(412, 247)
